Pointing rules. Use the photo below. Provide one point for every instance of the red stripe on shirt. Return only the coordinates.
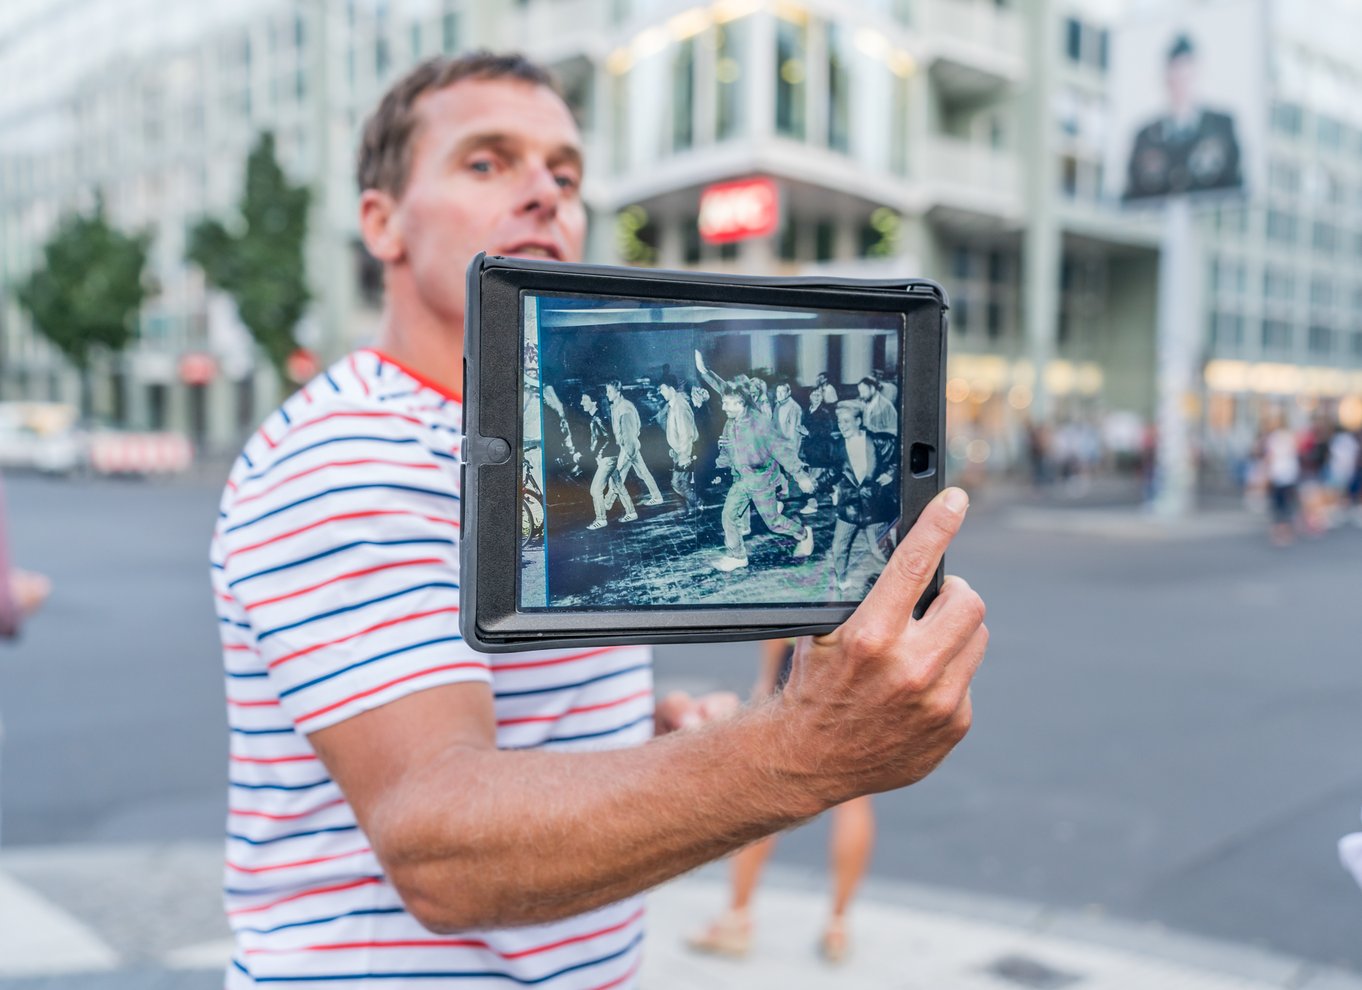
(243, 813)
(341, 518)
(472, 665)
(628, 975)
(297, 863)
(330, 464)
(266, 703)
(387, 623)
(452, 943)
(333, 889)
(576, 711)
(265, 760)
(416, 376)
(358, 377)
(554, 661)
(345, 577)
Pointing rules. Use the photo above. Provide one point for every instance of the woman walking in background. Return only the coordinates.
(849, 848)
(21, 592)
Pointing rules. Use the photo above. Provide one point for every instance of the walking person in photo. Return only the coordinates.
(756, 456)
(627, 426)
(682, 436)
(789, 421)
(864, 491)
(880, 414)
(605, 484)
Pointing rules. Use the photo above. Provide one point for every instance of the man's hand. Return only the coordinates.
(879, 702)
(678, 710)
(699, 363)
(805, 483)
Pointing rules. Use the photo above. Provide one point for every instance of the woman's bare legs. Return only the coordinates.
(849, 848)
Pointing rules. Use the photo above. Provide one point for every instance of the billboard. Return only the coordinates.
(1188, 92)
(735, 211)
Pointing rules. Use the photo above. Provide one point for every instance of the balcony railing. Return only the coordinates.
(973, 178)
(976, 33)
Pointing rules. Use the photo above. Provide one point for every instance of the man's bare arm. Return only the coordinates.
(475, 837)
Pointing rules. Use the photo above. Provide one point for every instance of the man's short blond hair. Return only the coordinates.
(389, 133)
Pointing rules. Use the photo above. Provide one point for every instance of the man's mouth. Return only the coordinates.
(534, 251)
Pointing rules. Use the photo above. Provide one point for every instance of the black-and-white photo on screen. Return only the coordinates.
(682, 455)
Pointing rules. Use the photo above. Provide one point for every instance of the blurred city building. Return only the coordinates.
(957, 139)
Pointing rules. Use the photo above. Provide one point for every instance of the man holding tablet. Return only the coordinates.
(387, 782)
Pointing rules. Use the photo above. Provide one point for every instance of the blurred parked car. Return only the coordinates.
(40, 436)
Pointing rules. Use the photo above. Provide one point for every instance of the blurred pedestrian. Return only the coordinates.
(21, 592)
(849, 849)
(1282, 469)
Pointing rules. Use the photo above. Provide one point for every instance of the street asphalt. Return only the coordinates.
(1167, 732)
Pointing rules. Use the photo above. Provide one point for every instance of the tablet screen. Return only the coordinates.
(681, 455)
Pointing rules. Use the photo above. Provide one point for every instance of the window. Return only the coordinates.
(1324, 237)
(449, 31)
(1284, 177)
(415, 40)
(1103, 49)
(683, 95)
(690, 238)
(1276, 335)
(1227, 331)
(791, 70)
(1329, 133)
(382, 57)
(1069, 176)
(619, 123)
(825, 241)
(997, 267)
(1321, 340)
(839, 91)
(1321, 292)
(1287, 118)
(788, 247)
(961, 262)
(1279, 285)
(898, 131)
(995, 319)
(1073, 39)
(1281, 226)
(728, 75)
(1357, 345)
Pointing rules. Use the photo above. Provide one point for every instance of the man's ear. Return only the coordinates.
(378, 226)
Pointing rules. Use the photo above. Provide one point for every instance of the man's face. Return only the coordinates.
(733, 406)
(588, 405)
(848, 423)
(496, 166)
(1181, 80)
(667, 392)
(821, 380)
(864, 391)
(612, 393)
(782, 393)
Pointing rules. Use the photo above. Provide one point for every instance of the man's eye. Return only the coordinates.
(566, 181)
(482, 165)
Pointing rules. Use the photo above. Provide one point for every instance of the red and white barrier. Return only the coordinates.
(140, 453)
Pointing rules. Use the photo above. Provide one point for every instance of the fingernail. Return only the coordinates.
(955, 499)
(690, 720)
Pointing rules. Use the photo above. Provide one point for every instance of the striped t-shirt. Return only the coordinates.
(336, 573)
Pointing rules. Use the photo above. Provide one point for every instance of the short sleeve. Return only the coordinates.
(345, 559)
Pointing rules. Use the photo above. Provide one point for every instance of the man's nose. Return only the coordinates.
(542, 192)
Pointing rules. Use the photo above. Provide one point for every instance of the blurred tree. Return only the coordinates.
(86, 296)
(257, 258)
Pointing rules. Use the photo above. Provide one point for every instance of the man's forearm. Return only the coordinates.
(497, 838)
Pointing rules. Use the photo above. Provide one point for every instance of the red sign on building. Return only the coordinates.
(735, 211)
(197, 368)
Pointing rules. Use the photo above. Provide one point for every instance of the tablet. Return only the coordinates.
(662, 457)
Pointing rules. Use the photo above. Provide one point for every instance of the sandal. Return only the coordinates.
(834, 945)
(728, 935)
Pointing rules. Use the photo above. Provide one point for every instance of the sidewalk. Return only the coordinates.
(142, 917)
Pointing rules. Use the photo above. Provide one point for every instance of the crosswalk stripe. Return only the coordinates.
(38, 938)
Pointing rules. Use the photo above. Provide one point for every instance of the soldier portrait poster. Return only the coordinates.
(1188, 112)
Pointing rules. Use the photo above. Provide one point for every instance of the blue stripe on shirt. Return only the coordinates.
(339, 491)
(335, 550)
(350, 608)
(363, 663)
(526, 981)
